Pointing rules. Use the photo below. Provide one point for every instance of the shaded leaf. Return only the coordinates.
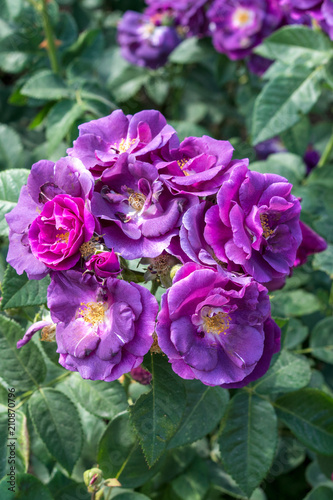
(19, 291)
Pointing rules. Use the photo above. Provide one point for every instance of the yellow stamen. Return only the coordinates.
(87, 249)
(62, 237)
(92, 312)
(181, 164)
(124, 145)
(48, 333)
(267, 231)
(219, 323)
(136, 200)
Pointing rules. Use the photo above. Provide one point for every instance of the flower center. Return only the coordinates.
(124, 145)
(136, 200)
(267, 231)
(87, 249)
(48, 333)
(181, 164)
(62, 237)
(242, 17)
(92, 312)
(216, 322)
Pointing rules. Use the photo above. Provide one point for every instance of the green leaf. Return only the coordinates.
(27, 487)
(297, 138)
(60, 120)
(10, 9)
(324, 261)
(120, 454)
(11, 182)
(157, 414)
(204, 409)
(291, 43)
(309, 415)
(329, 72)
(289, 455)
(103, 399)
(293, 303)
(128, 495)
(220, 478)
(283, 100)
(194, 483)
(286, 164)
(248, 440)
(21, 368)
(19, 291)
(18, 426)
(57, 422)
(46, 85)
(11, 149)
(321, 340)
(296, 333)
(188, 52)
(289, 373)
(322, 492)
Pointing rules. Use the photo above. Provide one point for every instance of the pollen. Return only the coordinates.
(242, 17)
(218, 323)
(48, 333)
(62, 237)
(124, 145)
(181, 164)
(92, 312)
(136, 200)
(87, 249)
(267, 231)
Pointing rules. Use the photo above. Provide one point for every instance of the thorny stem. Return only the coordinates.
(51, 47)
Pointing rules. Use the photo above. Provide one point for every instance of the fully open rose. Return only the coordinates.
(216, 327)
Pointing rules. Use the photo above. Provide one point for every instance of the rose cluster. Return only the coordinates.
(129, 189)
(235, 26)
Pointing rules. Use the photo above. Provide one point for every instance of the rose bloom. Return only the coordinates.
(239, 25)
(196, 166)
(144, 41)
(45, 181)
(189, 16)
(102, 331)
(101, 143)
(56, 235)
(255, 224)
(104, 265)
(138, 214)
(216, 327)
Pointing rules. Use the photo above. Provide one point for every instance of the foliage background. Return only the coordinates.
(182, 440)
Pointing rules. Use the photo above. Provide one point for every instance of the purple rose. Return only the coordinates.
(102, 331)
(46, 180)
(189, 16)
(255, 224)
(217, 328)
(141, 375)
(104, 265)
(101, 143)
(144, 41)
(138, 214)
(239, 25)
(311, 243)
(57, 233)
(196, 166)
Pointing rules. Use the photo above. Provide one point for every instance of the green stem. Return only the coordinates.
(327, 152)
(154, 287)
(58, 379)
(51, 46)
